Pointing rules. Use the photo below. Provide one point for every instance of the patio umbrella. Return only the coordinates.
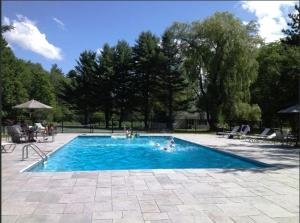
(32, 105)
(290, 110)
(293, 110)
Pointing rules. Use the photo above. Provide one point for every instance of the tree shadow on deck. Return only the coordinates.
(280, 157)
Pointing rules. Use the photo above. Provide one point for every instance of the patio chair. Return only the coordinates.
(233, 131)
(261, 136)
(39, 127)
(281, 136)
(245, 129)
(8, 147)
(16, 134)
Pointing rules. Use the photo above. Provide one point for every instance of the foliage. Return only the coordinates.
(277, 85)
(123, 80)
(80, 92)
(105, 75)
(293, 33)
(147, 65)
(221, 56)
(172, 81)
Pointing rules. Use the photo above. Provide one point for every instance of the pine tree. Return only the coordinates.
(80, 92)
(293, 33)
(172, 83)
(146, 64)
(105, 82)
(123, 78)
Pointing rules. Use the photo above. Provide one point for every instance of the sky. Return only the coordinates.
(57, 32)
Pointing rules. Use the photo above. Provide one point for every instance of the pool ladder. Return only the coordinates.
(34, 148)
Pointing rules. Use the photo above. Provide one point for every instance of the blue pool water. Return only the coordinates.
(106, 153)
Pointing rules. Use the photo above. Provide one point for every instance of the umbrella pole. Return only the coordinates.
(298, 131)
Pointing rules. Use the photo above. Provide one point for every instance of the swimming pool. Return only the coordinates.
(145, 152)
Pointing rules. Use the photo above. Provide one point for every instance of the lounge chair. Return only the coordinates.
(8, 147)
(233, 131)
(261, 136)
(281, 136)
(245, 129)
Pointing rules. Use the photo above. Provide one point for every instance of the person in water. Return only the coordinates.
(172, 143)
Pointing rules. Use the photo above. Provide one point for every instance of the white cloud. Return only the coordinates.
(27, 35)
(59, 22)
(271, 17)
(5, 20)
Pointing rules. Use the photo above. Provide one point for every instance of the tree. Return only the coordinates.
(12, 89)
(124, 80)
(58, 80)
(293, 33)
(277, 84)
(221, 56)
(146, 65)
(172, 81)
(105, 82)
(80, 92)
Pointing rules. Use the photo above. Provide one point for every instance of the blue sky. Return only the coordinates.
(57, 32)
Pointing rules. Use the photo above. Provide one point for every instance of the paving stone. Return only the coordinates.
(76, 218)
(262, 219)
(102, 221)
(77, 198)
(103, 206)
(45, 218)
(287, 219)
(18, 208)
(76, 208)
(238, 209)
(273, 210)
(155, 216)
(186, 218)
(219, 218)
(149, 206)
(9, 218)
(107, 215)
(244, 219)
(50, 209)
(159, 221)
(131, 204)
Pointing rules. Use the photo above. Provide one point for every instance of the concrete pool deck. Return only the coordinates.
(154, 196)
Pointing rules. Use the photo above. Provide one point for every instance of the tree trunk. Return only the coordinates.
(86, 116)
(107, 117)
(121, 119)
(170, 115)
(146, 117)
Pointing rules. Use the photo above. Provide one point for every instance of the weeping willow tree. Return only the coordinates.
(220, 59)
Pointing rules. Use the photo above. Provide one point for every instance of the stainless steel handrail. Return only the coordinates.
(36, 149)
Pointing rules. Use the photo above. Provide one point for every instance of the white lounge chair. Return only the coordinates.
(245, 129)
(8, 147)
(233, 131)
(261, 136)
(39, 127)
